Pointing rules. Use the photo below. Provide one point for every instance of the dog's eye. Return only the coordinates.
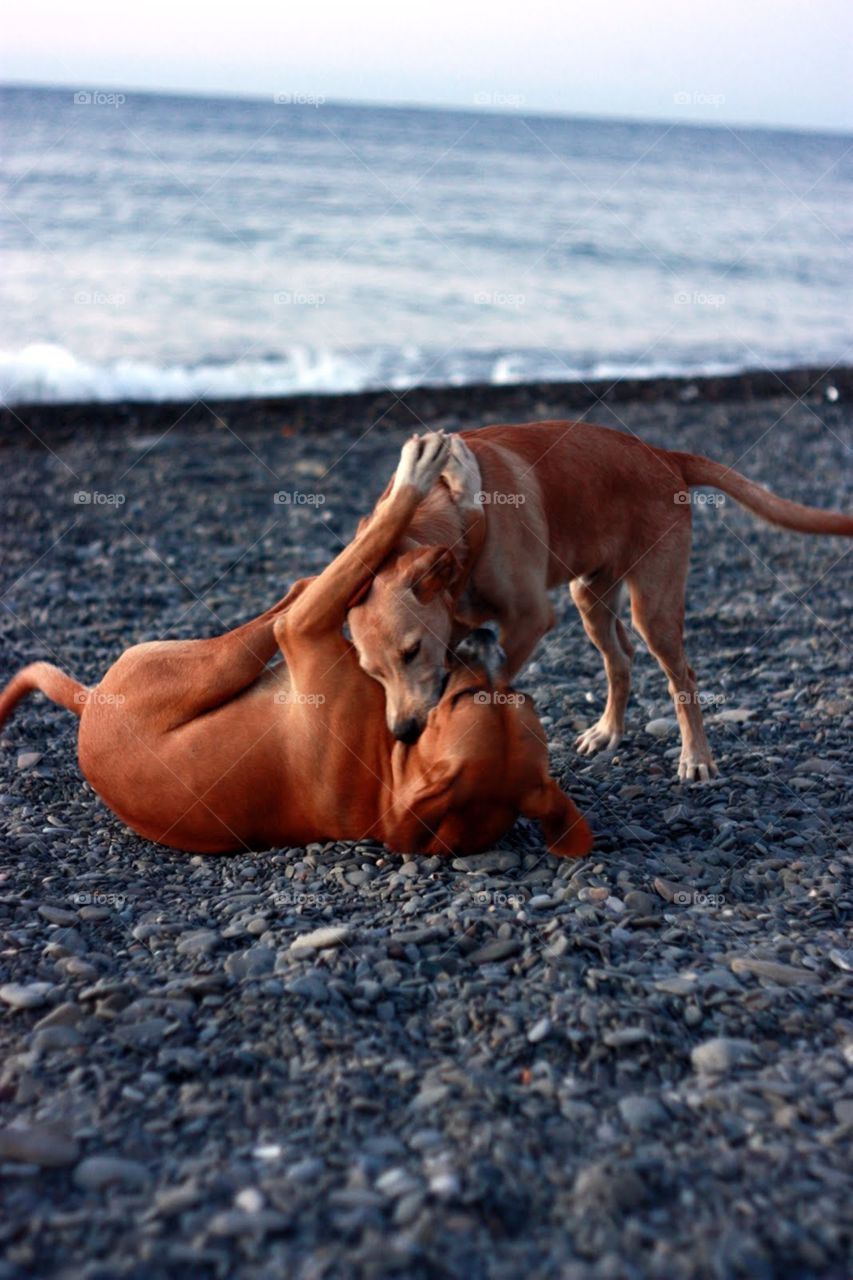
(409, 655)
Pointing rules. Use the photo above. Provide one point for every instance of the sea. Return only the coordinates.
(159, 246)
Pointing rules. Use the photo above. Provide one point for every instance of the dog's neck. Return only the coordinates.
(440, 521)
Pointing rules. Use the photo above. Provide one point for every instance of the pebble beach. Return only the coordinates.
(336, 1061)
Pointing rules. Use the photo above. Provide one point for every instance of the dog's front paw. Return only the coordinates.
(696, 768)
(599, 737)
(461, 474)
(421, 461)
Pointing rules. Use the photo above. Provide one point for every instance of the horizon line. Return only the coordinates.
(473, 108)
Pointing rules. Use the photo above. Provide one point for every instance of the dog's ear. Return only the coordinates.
(563, 825)
(428, 797)
(435, 783)
(434, 570)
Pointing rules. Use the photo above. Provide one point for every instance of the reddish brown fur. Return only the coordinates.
(202, 746)
(597, 509)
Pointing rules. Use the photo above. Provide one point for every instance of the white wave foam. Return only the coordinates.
(50, 374)
(47, 374)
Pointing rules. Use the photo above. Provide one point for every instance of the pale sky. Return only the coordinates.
(773, 62)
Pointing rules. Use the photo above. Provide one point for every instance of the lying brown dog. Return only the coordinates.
(558, 502)
(200, 745)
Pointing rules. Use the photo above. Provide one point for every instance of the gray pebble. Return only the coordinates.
(635, 832)
(496, 860)
(25, 995)
(842, 959)
(56, 1037)
(625, 1037)
(784, 975)
(254, 963)
(320, 939)
(64, 1015)
(238, 1222)
(494, 951)
(309, 987)
(43, 1145)
(58, 915)
(96, 1173)
(642, 1113)
(722, 1054)
(640, 903)
(201, 942)
(665, 727)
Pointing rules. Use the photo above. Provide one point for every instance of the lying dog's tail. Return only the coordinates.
(769, 506)
(59, 687)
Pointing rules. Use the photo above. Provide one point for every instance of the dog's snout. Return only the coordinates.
(407, 731)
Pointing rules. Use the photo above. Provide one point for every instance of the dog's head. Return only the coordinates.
(483, 759)
(401, 631)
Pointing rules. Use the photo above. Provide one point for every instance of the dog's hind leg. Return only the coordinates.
(187, 678)
(597, 607)
(657, 608)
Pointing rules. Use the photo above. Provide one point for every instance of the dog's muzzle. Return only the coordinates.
(407, 731)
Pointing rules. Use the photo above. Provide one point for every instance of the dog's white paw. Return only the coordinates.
(697, 769)
(461, 474)
(421, 461)
(599, 737)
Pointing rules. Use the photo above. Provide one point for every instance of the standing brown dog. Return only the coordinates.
(558, 502)
(200, 745)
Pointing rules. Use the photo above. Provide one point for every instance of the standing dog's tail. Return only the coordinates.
(788, 515)
(59, 687)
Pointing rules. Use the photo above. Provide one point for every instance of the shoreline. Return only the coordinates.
(489, 402)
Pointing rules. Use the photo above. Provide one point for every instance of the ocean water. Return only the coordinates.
(160, 246)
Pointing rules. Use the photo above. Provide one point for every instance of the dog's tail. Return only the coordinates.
(769, 506)
(58, 686)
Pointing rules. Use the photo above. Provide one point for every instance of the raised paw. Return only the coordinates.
(421, 461)
(461, 474)
(599, 737)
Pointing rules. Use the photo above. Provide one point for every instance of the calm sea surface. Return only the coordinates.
(163, 246)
